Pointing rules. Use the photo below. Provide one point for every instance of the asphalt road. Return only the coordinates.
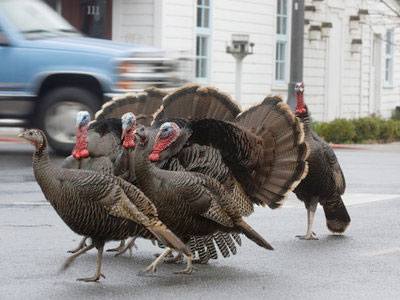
(363, 263)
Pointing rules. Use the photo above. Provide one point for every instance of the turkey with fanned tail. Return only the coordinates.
(259, 158)
(190, 203)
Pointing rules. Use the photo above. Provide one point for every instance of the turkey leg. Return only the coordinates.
(81, 245)
(117, 249)
(153, 267)
(128, 246)
(189, 267)
(310, 220)
(70, 260)
(98, 272)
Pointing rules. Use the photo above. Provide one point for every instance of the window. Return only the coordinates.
(203, 32)
(389, 57)
(281, 41)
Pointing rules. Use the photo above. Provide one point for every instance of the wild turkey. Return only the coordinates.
(190, 203)
(325, 181)
(262, 154)
(101, 206)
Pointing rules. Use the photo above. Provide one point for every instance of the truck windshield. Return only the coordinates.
(35, 19)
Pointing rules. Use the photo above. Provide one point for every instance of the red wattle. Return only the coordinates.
(129, 139)
(80, 150)
(300, 108)
(154, 157)
(128, 143)
(76, 155)
(84, 153)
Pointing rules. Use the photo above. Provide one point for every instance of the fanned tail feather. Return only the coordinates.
(194, 102)
(284, 149)
(143, 105)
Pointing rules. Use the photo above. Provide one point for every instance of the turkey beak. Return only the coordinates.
(21, 135)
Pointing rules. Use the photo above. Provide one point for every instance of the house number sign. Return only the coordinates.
(93, 10)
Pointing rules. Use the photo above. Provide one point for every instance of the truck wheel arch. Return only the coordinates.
(72, 92)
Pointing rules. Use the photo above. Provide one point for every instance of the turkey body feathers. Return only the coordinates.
(325, 182)
(203, 205)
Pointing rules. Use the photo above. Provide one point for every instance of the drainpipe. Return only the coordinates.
(296, 50)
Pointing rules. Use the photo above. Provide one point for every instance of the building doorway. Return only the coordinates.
(91, 17)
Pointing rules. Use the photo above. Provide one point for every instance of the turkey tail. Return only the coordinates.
(143, 105)
(284, 149)
(252, 234)
(194, 102)
(337, 217)
(211, 248)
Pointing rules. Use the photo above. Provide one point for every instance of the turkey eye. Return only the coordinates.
(30, 133)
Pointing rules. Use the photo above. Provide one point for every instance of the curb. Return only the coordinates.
(337, 146)
(11, 140)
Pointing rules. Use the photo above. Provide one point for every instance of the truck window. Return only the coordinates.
(36, 20)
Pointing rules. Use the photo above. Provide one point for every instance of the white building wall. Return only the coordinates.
(339, 87)
(253, 17)
(133, 21)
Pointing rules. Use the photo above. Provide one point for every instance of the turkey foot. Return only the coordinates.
(92, 279)
(306, 237)
(130, 245)
(117, 249)
(153, 267)
(81, 245)
(189, 267)
(174, 259)
(310, 220)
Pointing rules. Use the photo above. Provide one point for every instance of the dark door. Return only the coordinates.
(92, 17)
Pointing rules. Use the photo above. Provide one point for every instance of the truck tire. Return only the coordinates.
(56, 115)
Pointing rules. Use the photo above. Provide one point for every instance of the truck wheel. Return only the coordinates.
(57, 115)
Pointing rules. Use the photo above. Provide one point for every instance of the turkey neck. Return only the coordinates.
(302, 111)
(44, 170)
(147, 174)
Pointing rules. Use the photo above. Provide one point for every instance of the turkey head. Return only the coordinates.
(169, 141)
(128, 121)
(300, 106)
(34, 137)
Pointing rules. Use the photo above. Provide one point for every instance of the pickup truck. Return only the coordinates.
(49, 71)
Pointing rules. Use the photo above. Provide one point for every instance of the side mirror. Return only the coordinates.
(3, 39)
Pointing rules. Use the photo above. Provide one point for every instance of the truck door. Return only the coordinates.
(15, 101)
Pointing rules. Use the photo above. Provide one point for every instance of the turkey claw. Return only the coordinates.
(92, 279)
(306, 237)
(186, 271)
(150, 269)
